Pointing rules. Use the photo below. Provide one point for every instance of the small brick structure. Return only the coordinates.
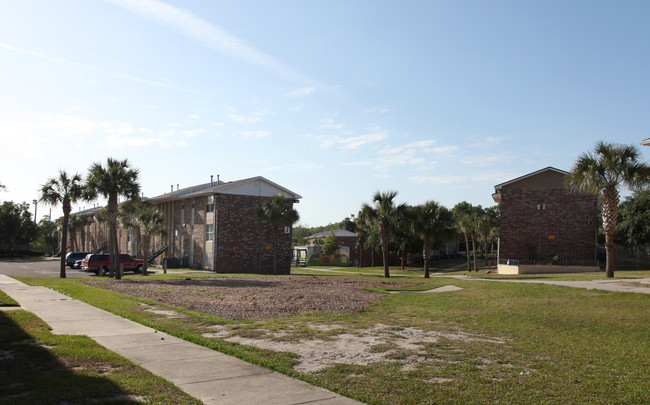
(542, 220)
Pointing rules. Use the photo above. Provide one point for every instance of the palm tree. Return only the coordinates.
(386, 214)
(465, 220)
(487, 222)
(432, 222)
(602, 173)
(114, 180)
(65, 190)
(280, 213)
(146, 221)
(78, 223)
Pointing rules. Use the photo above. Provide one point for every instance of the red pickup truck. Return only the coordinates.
(102, 262)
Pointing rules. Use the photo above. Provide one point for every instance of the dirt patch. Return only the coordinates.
(360, 347)
(256, 297)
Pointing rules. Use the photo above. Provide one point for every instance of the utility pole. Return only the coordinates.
(35, 208)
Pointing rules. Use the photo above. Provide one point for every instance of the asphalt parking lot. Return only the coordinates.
(38, 268)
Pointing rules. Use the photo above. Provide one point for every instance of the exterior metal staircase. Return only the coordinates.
(157, 253)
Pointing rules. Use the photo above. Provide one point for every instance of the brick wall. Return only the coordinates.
(242, 238)
(565, 224)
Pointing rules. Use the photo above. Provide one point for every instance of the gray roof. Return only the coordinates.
(340, 233)
(240, 187)
(500, 186)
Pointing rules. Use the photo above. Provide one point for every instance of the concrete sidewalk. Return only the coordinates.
(211, 376)
(632, 285)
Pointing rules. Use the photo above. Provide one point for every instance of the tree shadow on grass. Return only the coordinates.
(31, 374)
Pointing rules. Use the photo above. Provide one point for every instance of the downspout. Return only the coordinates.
(214, 234)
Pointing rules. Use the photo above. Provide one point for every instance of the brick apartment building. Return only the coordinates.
(540, 217)
(212, 226)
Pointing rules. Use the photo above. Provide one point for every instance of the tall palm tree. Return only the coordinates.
(385, 213)
(65, 190)
(465, 221)
(115, 179)
(280, 213)
(602, 172)
(146, 221)
(487, 221)
(432, 223)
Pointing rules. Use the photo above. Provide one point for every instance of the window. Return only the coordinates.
(209, 207)
(209, 232)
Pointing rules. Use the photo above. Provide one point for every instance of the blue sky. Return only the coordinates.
(332, 99)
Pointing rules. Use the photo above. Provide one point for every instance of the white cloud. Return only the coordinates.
(408, 148)
(252, 134)
(366, 163)
(437, 180)
(118, 75)
(194, 116)
(328, 123)
(210, 35)
(376, 110)
(349, 143)
(303, 92)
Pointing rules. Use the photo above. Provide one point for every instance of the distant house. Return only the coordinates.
(343, 236)
(543, 222)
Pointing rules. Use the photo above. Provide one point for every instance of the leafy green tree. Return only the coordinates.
(65, 190)
(331, 244)
(634, 219)
(279, 211)
(431, 222)
(47, 235)
(146, 221)
(16, 225)
(115, 179)
(603, 172)
(385, 213)
(402, 239)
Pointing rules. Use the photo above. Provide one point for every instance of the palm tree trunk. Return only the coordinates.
(275, 251)
(485, 249)
(474, 250)
(609, 249)
(385, 240)
(610, 215)
(425, 257)
(469, 268)
(112, 225)
(145, 248)
(64, 242)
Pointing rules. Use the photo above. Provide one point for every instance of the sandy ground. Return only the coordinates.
(274, 297)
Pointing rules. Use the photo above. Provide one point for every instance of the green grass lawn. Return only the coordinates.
(532, 343)
(37, 367)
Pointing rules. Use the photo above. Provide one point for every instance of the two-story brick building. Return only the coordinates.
(215, 226)
(542, 219)
(212, 226)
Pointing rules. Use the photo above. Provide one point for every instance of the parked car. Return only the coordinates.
(72, 257)
(101, 263)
